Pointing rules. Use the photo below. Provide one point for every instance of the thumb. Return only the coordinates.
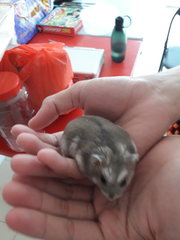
(55, 105)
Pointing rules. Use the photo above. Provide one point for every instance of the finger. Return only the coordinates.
(58, 188)
(64, 167)
(52, 139)
(29, 165)
(19, 194)
(94, 96)
(48, 164)
(45, 226)
(19, 128)
(55, 105)
(86, 95)
(32, 144)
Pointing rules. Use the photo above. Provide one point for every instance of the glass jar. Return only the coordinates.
(15, 107)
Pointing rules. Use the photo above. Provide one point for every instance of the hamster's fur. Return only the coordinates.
(104, 152)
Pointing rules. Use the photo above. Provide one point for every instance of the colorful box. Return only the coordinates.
(61, 20)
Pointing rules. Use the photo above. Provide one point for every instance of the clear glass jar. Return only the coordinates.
(15, 107)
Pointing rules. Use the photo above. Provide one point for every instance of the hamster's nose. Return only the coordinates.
(111, 196)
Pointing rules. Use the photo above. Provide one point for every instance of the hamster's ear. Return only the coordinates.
(134, 157)
(96, 160)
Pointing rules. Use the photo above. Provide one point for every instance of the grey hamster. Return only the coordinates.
(104, 152)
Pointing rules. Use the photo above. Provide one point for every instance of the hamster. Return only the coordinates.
(104, 152)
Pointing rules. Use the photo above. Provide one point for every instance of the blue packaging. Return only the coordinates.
(26, 14)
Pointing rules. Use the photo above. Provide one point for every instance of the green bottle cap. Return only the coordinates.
(119, 23)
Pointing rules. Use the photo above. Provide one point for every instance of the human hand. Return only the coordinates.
(58, 208)
(135, 204)
(145, 107)
(145, 112)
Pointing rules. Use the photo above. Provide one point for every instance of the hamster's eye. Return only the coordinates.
(123, 182)
(103, 180)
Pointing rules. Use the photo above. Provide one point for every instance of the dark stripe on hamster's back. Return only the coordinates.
(92, 119)
(108, 139)
(106, 135)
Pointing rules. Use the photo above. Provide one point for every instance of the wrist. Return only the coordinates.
(170, 89)
(167, 85)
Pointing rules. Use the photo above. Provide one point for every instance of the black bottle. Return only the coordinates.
(118, 41)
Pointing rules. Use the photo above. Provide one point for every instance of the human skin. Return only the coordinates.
(52, 200)
(130, 103)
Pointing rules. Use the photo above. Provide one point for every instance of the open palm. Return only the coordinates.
(69, 207)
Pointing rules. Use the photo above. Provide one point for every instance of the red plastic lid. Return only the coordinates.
(9, 85)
